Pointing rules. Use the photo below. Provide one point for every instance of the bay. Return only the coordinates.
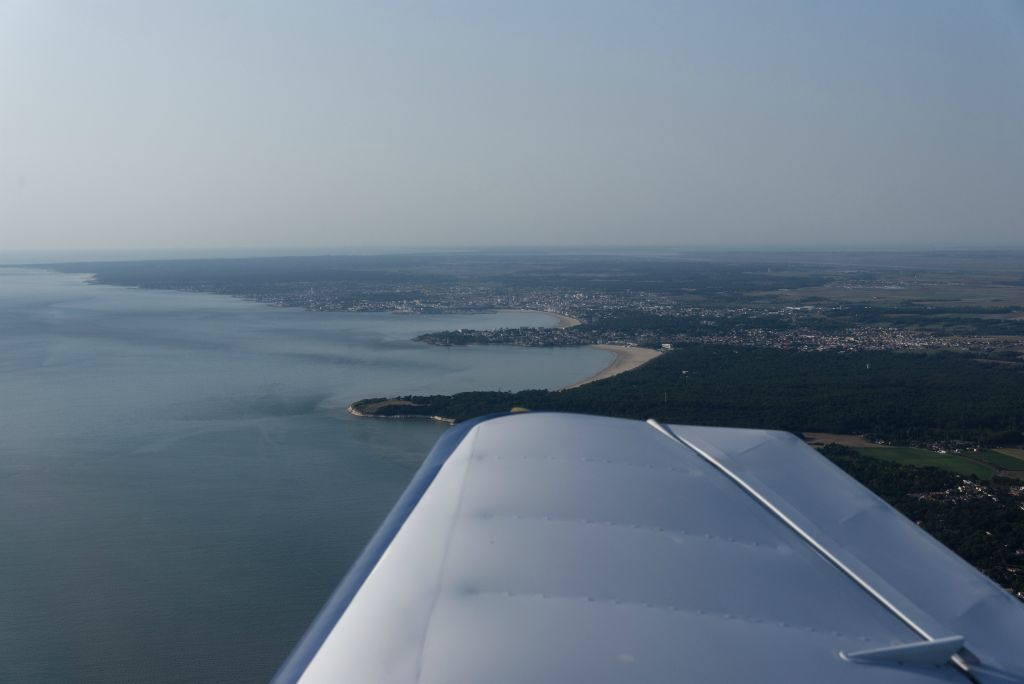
(180, 485)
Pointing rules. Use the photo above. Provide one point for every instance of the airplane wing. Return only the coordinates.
(544, 547)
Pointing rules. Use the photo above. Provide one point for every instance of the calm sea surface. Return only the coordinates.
(180, 485)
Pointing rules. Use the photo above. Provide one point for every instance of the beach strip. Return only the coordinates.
(563, 320)
(626, 359)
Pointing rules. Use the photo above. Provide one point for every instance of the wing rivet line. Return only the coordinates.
(955, 658)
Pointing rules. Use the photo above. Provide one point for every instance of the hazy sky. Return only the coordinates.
(290, 125)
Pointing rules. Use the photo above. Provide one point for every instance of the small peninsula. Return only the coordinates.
(627, 358)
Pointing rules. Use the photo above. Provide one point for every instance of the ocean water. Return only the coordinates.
(180, 485)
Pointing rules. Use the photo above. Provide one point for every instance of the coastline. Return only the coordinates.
(626, 359)
(351, 408)
(563, 320)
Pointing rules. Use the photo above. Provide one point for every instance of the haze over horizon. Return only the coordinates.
(244, 128)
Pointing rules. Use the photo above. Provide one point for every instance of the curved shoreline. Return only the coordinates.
(563, 320)
(626, 359)
(351, 408)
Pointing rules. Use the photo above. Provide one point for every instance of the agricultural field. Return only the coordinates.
(817, 439)
(955, 463)
(1001, 460)
(1016, 453)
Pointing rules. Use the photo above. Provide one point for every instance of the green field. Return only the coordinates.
(1016, 453)
(999, 460)
(955, 463)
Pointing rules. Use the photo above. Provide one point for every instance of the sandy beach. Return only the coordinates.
(563, 320)
(626, 359)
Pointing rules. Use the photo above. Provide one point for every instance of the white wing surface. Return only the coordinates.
(563, 548)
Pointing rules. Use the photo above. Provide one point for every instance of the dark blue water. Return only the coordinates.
(180, 485)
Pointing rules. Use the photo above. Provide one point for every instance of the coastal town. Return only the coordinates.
(803, 339)
(807, 313)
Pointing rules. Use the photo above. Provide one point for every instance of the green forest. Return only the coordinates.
(899, 397)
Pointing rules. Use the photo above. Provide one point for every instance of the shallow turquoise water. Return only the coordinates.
(180, 486)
